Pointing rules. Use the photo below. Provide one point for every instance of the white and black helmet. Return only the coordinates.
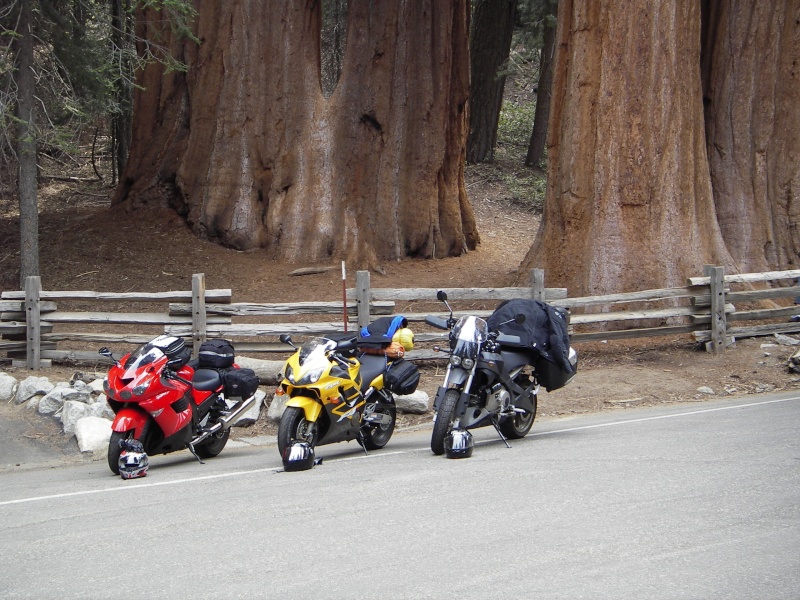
(458, 444)
(299, 456)
(133, 461)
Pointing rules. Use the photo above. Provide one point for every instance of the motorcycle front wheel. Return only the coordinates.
(444, 421)
(114, 450)
(295, 428)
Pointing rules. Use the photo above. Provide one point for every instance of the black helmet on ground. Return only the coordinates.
(299, 456)
(458, 444)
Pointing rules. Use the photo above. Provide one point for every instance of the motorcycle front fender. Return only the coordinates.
(130, 418)
(310, 407)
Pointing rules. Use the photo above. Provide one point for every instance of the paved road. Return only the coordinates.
(690, 501)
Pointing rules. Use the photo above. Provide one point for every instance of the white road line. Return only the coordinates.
(140, 485)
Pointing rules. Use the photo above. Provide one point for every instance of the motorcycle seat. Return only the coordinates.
(207, 380)
(372, 365)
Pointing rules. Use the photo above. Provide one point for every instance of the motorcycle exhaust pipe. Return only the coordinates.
(226, 421)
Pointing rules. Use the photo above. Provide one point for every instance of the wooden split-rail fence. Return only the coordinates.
(36, 328)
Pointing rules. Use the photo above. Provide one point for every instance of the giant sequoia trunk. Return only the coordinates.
(752, 98)
(248, 149)
(629, 203)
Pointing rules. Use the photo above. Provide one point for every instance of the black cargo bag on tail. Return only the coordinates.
(215, 354)
(240, 383)
(402, 377)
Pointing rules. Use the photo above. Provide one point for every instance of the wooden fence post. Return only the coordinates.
(537, 284)
(363, 298)
(198, 312)
(719, 325)
(33, 289)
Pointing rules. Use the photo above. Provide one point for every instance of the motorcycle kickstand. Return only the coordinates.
(500, 433)
(361, 443)
(191, 449)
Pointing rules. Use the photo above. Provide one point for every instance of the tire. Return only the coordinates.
(294, 427)
(444, 421)
(213, 444)
(376, 436)
(520, 424)
(114, 450)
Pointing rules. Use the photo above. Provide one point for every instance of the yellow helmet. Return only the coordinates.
(405, 337)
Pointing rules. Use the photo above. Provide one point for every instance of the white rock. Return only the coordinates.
(32, 386)
(276, 407)
(93, 434)
(96, 386)
(72, 412)
(56, 398)
(8, 387)
(416, 402)
(705, 390)
(102, 409)
(252, 414)
(786, 340)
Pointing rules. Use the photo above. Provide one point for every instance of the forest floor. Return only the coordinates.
(85, 245)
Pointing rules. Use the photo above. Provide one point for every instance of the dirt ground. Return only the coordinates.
(87, 246)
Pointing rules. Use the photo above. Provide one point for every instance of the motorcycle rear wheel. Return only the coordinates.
(519, 425)
(213, 445)
(295, 428)
(444, 421)
(376, 436)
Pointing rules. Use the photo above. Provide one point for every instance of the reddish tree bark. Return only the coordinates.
(629, 203)
(752, 93)
(246, 147)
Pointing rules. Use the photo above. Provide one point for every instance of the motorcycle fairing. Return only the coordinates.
(310, 407)
(130, 418)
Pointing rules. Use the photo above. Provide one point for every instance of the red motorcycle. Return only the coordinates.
(169, 403)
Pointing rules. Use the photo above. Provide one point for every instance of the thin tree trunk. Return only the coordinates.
(544, 92)
(26, 150)
(490, 44)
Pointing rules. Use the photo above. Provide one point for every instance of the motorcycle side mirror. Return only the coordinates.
(285, 338)
(519, 319)
(441, 295)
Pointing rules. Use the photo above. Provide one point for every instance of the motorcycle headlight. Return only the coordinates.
(455, 360)
(140, 390)
(468, 363)
(311, 377)
(287, 374)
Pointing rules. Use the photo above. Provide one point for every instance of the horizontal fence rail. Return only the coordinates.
(34, 330)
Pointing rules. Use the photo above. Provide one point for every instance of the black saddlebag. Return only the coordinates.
(240, 383)
(216, 354)
(402, 377)
(178, 354)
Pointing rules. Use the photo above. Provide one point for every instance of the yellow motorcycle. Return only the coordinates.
(337, 391)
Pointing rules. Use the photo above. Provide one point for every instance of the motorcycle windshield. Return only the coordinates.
(145, 355)
(468, 335)
(312, 353)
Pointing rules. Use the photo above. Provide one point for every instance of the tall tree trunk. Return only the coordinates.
(121, 21)
(544, 92)
(248, 149)
(399, 134)
(490, 44)
(751, 81)
(26, 148)
(629, 203)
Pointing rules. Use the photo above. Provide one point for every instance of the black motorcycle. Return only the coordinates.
(495, 370)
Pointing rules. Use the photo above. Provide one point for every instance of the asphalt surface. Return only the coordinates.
(688, 501)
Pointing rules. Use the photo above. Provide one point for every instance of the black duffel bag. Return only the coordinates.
(402, 377)
(215, 354)
(240, 383)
